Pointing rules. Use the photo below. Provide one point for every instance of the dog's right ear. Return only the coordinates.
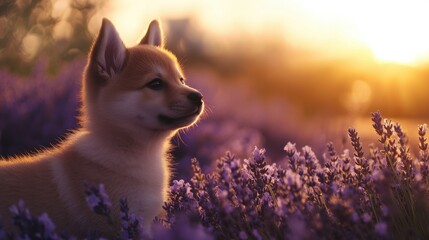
(108, 54)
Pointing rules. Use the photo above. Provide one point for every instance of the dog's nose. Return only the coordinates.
(196, 98)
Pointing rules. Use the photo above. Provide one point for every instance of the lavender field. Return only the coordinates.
(314, 123)
(227, 186)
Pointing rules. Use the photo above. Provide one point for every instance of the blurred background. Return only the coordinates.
(271, 71)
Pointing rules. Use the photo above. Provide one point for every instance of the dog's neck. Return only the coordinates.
(135, 151)
(129, 142)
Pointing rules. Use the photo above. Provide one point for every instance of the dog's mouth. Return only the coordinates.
(181, 120)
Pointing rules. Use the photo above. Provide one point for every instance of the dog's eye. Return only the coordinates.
(156, 84)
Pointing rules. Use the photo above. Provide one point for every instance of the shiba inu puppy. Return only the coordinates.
(134, 100)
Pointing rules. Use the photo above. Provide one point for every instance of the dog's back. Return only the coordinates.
(22, 178)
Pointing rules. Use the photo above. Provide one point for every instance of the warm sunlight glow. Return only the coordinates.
(394, 31)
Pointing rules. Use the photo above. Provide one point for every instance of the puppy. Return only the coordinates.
(134, 101)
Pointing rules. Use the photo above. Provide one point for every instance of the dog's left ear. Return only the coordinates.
(108, 53)
(154, 35)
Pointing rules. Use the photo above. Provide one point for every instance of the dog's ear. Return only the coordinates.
(108, 53)
(154, 35)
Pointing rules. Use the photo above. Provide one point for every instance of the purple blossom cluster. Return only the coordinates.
(29, 226)
(357, 193)
(131, 225)
(37, 110)
(382, 194)
(98, 200)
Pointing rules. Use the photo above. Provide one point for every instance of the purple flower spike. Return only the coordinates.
(31, 227)
(98, 200)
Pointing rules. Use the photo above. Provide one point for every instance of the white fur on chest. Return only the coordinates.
(142, 162)
(138, 174)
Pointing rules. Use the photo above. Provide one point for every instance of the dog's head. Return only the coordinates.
(142, 87)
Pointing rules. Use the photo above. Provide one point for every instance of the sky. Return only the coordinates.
(394, 31)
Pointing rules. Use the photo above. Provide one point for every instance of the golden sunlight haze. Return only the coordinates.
(392, 30)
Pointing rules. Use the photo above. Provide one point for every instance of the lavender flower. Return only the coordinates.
(377, 123)
(131, 227)
(50, 103)
(98, 200)
(349, 195)
(381, 229)
(31, 227)
(422, 129)
(183, 229)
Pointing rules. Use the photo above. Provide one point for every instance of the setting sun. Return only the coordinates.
(393, 30)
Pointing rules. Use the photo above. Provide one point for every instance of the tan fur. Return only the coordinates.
(122, 142)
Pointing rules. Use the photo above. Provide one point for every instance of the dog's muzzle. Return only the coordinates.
(196, 98)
